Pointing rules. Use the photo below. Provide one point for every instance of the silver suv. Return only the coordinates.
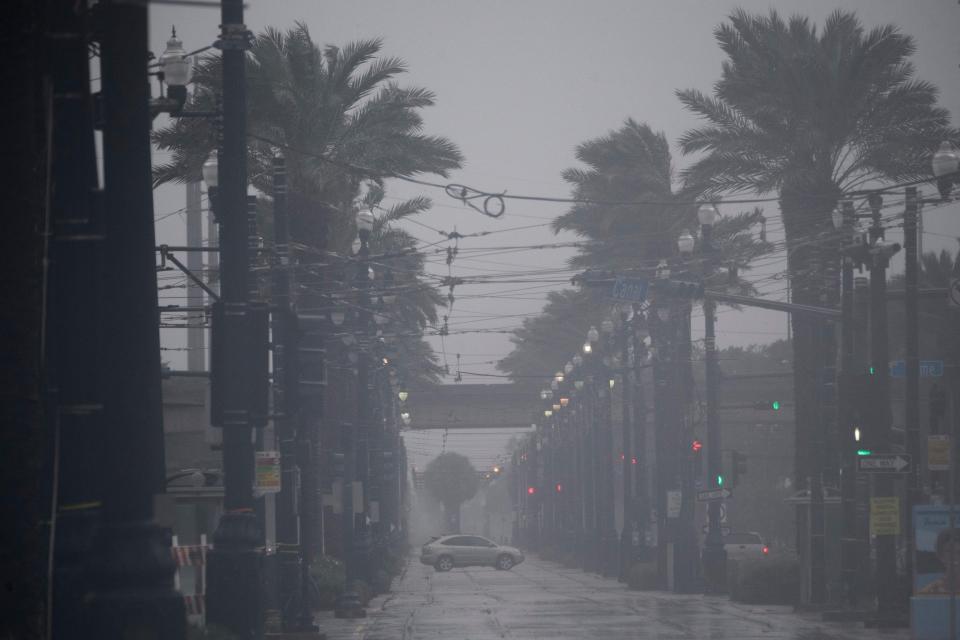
(446, 552)
(745, 545)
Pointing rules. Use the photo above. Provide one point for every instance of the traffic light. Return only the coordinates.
(767, 405)
(559, 488)
(531, 491)
(239, 347)
(737, 467)
(696, 446)
(938, 407)
(311, 354)
(881, 252)
(388, 466)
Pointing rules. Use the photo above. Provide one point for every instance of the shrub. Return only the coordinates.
(328, 576)
(764, 581)
(381, 581)
(363, 590)
(642, 576)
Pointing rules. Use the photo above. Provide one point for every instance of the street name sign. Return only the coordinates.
(884, 463)
(928, 369)
(714, 494)
(629, 290)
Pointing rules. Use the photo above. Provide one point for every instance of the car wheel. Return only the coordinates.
(504, 562)
(444, 563)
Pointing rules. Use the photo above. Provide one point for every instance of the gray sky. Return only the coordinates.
(519, 84)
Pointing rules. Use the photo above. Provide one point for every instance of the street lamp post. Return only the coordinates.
(608, 529)
(714, 553)
(629, 524)
(130, 564)
(355, 532)
(235, 564)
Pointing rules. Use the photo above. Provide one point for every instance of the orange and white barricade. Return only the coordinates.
(191, 574)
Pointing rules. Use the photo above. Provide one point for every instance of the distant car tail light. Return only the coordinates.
(766, 550)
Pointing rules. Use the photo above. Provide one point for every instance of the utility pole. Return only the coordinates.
(355, 543)
(846, 445)
(912, 325)
(629, 449)
(662, 365)
(131, 565)
(714, 556)
(294, 566)
(641, 491)
(234, 565)
(886, 571)
(714, 552)
(196, 357)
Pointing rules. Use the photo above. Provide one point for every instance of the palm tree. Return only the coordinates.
(810, 115)
(342, 123)
(631, 164)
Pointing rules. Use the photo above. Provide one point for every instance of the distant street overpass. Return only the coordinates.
(472, 406)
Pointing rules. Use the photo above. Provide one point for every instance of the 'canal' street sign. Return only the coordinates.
(629, 290)
(714, 494)
(884, 463)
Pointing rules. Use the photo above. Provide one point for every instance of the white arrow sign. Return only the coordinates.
(888, 462)
(714, 494)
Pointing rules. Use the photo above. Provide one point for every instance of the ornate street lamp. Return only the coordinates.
(176, 69)
(593, 335)
(946, 164)
(211, 171)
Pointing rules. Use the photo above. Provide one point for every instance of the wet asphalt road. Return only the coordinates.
(545, 600)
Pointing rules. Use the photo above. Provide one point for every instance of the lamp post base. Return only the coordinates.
(715, 569)
(132, 574)
(235, 576)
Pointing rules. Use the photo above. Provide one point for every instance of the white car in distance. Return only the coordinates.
(446, 552)
(745, 546)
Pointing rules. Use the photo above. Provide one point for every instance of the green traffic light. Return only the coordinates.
(864, 452)
(719, 481)
(775, 405)
(872, 371)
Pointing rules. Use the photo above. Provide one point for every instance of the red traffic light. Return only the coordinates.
(531, 491)
(696, 446)
(559, 488)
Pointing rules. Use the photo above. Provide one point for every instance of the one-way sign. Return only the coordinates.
(714, 494)
(884, 463)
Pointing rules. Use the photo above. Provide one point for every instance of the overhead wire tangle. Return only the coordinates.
(494, 204)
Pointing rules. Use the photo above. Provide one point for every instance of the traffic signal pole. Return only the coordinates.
(886, 568)
(714, 553)
(912, 326)
(849, 552)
